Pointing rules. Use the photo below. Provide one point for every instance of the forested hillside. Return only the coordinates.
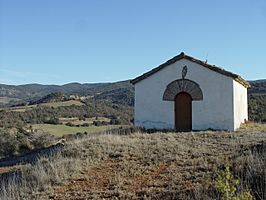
(10, 94)
(257, 101)
(117, 93)
(258, 87)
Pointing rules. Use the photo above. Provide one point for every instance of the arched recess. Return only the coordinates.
(182, 85)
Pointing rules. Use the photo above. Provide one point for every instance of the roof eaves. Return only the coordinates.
(156, 69)
(181, 56)
(221, 71)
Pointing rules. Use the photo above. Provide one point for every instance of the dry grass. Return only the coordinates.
(36, 181)
(144, 166)
(63, 103)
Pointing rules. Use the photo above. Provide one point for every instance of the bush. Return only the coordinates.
(8, 144)
(52, 121)
(22, 142)
(69, 124)
(85, 124)
(82, 118)
(115, 122)
(227, 185)
(100, 123)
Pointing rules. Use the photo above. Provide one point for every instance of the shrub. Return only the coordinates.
(8, 144)
(99, 123)
(115, 122)
(69, 124)
(53, 120)
(227, 185)
(85, 124)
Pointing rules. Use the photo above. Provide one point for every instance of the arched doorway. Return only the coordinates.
(182, 92)
(183, 112)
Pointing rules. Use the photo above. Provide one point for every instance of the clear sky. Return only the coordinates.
(62, 41)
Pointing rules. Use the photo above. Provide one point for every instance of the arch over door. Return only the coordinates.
(183, 112)
(182, 85)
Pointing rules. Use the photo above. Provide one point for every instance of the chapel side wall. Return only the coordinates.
(215, 111)
(240, 104)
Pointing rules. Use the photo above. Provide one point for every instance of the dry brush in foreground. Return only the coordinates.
(144, 166)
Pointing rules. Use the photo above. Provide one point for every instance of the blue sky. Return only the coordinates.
(62, 41)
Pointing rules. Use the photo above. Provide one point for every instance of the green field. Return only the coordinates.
(52, 104)
(60, 130)
(76, 121)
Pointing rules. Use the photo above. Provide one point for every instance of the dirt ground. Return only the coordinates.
(149, 166)
(160, 166)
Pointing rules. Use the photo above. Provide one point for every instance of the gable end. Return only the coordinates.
(204, 64)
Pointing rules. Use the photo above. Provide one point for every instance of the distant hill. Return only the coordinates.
(257, 100)
(258, 87)
(124, 96)
(121, 93)
(28, 91)
(34, 92)
(50, 98)
(37, 91)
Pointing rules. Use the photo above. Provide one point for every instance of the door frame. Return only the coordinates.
(186, 121)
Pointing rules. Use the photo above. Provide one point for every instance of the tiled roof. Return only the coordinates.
(202, 63)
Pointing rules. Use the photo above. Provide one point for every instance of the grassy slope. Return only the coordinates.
(141, 166)
(76, 121)
(156, 165)
(60, 130)
(64, 103)
(52, 104)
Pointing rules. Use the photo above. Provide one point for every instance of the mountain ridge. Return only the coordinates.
(112, 91)
(33, 92)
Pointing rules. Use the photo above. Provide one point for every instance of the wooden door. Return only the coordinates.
(183, 112)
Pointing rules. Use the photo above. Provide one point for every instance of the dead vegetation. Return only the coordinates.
(144, 166)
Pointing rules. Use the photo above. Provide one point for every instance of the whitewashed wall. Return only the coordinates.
(240, 104)
(215, 111)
